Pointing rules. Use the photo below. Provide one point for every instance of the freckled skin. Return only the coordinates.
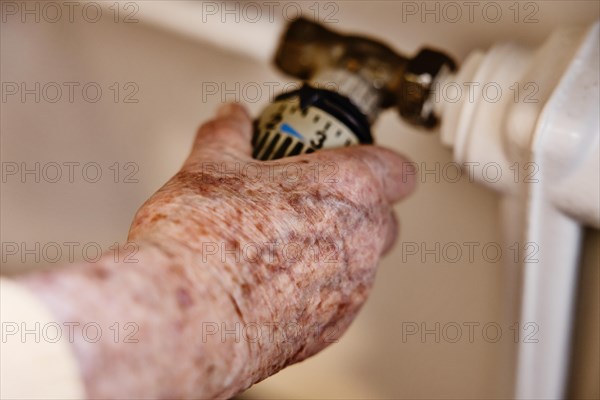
(291, 253)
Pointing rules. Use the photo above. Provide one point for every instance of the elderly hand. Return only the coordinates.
(244, 267)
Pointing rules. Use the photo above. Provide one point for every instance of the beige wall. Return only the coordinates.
(372, 360)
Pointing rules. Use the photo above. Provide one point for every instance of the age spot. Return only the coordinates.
(158, 217)
(184, 300)
(100, 272)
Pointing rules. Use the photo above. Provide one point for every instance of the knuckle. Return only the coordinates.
(217, 127)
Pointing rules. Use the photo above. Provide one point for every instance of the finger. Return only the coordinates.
(392, 233)
(393, 171)
(229, 133)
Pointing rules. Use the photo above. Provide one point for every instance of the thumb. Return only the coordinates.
(389, 169)
(228, 133)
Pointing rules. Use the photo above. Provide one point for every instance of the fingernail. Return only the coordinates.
(226, 110)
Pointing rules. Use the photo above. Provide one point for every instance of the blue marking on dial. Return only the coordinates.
(291, 131)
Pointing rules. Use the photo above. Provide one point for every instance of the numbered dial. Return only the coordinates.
(306, 121)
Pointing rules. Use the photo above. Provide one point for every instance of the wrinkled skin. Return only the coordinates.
(242, 267)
